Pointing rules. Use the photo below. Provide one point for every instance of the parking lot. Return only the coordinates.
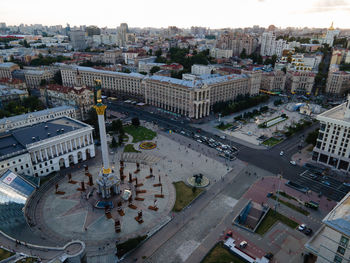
(224, 150)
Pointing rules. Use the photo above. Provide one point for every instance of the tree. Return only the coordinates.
(114, 143)
(58, 77)
(135, 121)
(43, 82)
(158, 53)
(315, 41)
(120, 139)
(243, 54)
(154, 69)
(117, 126)
(150, 51)
(311, 138)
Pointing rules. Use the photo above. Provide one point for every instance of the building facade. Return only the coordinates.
(300, 82)
(273, 81)
(36, 117)
(338, 82)
(190, 98)
(34, 78)
(82, 98)
(46, 147)
(332, 145)
(331, 242)
(6, 69)
(78, 40)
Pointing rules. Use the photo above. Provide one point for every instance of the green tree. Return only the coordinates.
(135, 121)
(243, 54)
(154, 69)
(158, 53)
(150, 51)
(120, 139)
(43, 82)
(311, 138)
(114, 143)
(58, 77)
(315, 41)
(117, 126)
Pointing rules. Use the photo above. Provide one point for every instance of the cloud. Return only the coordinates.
(322, 6)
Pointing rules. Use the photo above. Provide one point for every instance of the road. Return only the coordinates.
(267, 159)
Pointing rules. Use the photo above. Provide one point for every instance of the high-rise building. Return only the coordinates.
(270, 46)
(78, 40)
(338, 82)
(122, 34)
(237, 42)
(332, 145)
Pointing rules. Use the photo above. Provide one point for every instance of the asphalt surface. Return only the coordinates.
(267, 159)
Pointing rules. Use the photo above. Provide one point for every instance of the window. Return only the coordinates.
(337, 259)
(344, 241)
(341, 250)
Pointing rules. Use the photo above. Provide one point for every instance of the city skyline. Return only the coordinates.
(314, 13)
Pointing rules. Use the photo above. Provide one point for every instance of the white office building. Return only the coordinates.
(46, 147)
(332, 146)
(331, 242)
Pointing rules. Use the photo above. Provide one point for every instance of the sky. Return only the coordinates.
(180, 13)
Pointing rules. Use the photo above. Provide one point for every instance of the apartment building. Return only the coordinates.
(34, 78)
(338, 82)
(189, 98)
(332, 146)
(7, 68)
(82, 98)
(300, 81)
(113, 83)
(273, 81)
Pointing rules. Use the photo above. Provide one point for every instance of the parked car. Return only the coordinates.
(326, 183)
(308, 231)
(281, 153)
(301, 227)
(293, 163)
(269, 256)
(243, 244)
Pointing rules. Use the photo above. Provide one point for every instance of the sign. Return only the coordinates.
(9, 178)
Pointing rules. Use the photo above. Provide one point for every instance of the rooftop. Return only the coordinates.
(7, 65)
(5, 91)
(339, 217)
(336, 113)
(34, 114)
(15, 141)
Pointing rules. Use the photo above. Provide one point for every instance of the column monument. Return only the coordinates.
(108, 183)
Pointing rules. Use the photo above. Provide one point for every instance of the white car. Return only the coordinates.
(301, 227)
(293, 162)
(243, 244)
(281, 153)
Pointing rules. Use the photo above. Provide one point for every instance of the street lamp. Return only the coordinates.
(278, 191)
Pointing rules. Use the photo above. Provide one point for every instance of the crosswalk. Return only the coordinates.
(329, 187)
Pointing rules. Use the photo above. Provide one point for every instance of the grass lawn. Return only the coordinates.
(219, 254)
(292, 206)
(272, 141)
(284, 194)
(184, 195)
(129, 148)
(224, 127)
(271, 218)
(140, 133)
(28, 260)
(130, 244)
(5, 254)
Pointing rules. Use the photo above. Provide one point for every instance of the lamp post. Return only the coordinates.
(278, 191)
